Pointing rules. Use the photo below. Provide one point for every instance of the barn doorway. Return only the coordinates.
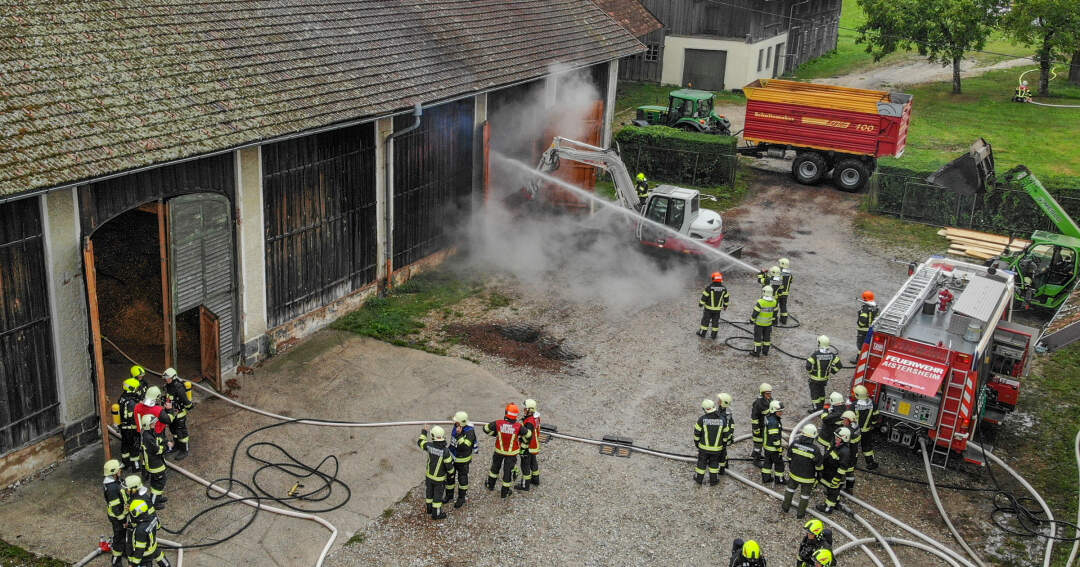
(704, 69)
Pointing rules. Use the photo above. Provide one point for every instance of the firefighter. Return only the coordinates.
(804, 457)
(440, 464)
(462, 444)
(817, 537)
(151, 406)
(834, 469)
(723, 401)
(831, 419)
(713, 300)
(508, 435)
(134, 490)
(821, 364)
(709, 437)
(851, 422)
(772, 277)
(130, 445)
(154, 448)
(641, 186)
(116, 509)
(868, 312)
(746, 554)
(144, 545)
(785, 289)
(757, 414)
(772, 441)
(869, 420)
(1023, 92)
(176, 396)
(530, 468)
(763, 317)
(824, 558)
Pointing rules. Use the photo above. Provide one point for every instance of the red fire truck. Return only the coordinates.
(944, 356)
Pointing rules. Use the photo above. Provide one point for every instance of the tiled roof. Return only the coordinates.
(92, 87)
(632, 15)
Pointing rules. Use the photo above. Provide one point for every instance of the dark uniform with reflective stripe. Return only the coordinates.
(831, 420)
(440, 463)
(820, 365)
(834, 469)
(116, 505)
(809, 547)
(713, 300)
(757, 415)
(712, 435)
(772, 442)
(853, 447)
(144, 544)
(804, 460)
(177, 394)
(462, 445)
(642, 189)
(154, 449)
(763, 317)
(783, 293)
(869, 421)
(130, 444)
(867, 314)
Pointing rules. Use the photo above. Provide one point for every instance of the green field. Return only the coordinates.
(631, 95)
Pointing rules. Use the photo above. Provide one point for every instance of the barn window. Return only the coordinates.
(652, 52)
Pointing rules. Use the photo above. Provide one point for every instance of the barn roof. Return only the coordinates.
(93, 87)
(632, 15)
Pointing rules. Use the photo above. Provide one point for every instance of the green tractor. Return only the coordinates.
(687, 109)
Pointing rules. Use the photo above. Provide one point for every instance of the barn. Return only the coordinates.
(198, 184)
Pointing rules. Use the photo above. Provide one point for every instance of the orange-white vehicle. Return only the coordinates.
(944, 356)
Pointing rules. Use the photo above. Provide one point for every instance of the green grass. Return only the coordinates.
(630, 95)
(15, 556)
(944, 125)
(398, 315)
(896, 232)
(726, 197)
(849, 57)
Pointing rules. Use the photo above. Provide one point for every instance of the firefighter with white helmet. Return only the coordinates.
(462, 445)
(851, 421)
(177, 394)
(154, 448)
(817, 538)
(868, 312)
(804, 457)
(772, 442)
(116, 509)
(530, 467)
(831, 418)
(711, 436)
(785, 288)
(714, 300)
(869, 420)
(440, 464)
(820, 365)
(833, 471)
(763, 317)
(757, 416)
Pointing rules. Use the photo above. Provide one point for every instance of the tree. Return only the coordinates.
(1074, 68)
(943, 31)
(1052, 27)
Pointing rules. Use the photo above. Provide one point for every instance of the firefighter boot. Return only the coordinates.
(448, 496)
(699, 478)
(871, 464)
(523, 485)
(765, 350)
(439, 514)
(430, 509)
(535, 478)
(714, 479)
(766, 478)
(181, 451)
(789, 494)
(712, 335)
(780, 480)
(824, 508)
(163, 562)
(505, 492)
(756, 352)
(460, 498)
(490, 483)
(701, 333)
(803, 503)
(117, 561)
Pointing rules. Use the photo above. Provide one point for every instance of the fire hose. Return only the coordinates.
(897, 541)
(941, 508)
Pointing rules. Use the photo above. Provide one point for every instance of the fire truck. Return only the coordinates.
(944, 356)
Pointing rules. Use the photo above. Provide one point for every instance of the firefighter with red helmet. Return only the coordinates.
(868, 312)
(713, 301)
(820, 365)
(530, 468)
(833, 471)
(869, 420)
(817, 537)
(440, 465)
(508, 436)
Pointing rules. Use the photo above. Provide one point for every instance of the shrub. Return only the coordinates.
(678, 156)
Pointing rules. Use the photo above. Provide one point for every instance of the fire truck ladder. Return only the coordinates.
(908, 302)
(954, 393)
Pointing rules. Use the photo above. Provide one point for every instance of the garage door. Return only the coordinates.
(704, 69)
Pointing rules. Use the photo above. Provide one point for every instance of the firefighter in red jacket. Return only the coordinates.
(508, 435)
(530, 469)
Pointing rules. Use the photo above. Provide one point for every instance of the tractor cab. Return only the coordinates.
(687, 109)
(1047, 268)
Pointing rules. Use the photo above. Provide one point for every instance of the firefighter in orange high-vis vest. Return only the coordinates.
(530, 425)
(508, 434)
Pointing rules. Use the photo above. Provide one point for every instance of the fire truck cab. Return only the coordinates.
(943, 356)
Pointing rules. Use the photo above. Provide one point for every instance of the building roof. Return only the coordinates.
(96, 87)
(632, 15)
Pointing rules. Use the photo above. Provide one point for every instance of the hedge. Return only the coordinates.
(677, 156)
(1003, 208)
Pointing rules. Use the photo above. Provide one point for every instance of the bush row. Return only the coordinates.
(677, 156)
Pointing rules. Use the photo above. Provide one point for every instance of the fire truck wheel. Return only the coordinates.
(851, 175)
(808, 168)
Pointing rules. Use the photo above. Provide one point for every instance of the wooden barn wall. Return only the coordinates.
(636, 68)
(432, 180)
(814, 31)
(320, 222)
(99, 202)
(680, 17)
(29, 402)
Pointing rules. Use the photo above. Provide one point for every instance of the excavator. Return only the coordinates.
(671, 220)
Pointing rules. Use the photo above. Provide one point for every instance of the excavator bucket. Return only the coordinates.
(970, 173)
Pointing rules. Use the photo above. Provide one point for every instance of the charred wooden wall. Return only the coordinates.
(432, 180)
(648, 66)
(319, 211)
(29, 403)
(100, 202)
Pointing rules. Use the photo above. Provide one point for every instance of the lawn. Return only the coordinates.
(720, 198)
(631, 95)
(944, 125)
(849, 57)
(15, 556)
(893, 232)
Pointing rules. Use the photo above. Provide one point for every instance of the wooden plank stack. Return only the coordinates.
(980, 245)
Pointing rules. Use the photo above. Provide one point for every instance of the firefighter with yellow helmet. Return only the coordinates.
(817, 538)
(746, 554)
(130, 443)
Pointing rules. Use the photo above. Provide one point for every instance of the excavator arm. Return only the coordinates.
(572, 150)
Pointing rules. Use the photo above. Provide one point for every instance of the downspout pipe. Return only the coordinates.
(388, 208)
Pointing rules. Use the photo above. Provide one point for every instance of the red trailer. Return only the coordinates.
(830, 128)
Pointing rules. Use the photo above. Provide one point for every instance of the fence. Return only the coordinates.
(697, 169)
(1003, 208)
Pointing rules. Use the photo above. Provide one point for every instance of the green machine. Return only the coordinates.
(687, 109)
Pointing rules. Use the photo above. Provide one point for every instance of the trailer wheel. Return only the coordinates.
(851, 174)
(808, 167)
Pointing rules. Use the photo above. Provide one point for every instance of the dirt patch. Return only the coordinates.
(490, 339)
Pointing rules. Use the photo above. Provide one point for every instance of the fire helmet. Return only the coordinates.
(774, 271)
(725, 399)
(169, 373)
(461, 418)
(751, 550)
(147, 420)
(784, 263)
(844, 434)
(133, 482)
(766, 292)
(809, 430)
(112, 466)
(530, 405)
(823, 342)
(764, 387)
(137, 371)
(152, 394)
(815, 526)
(718, 277)
(860, 392)
(867, 295)
(512, 411)
(849, 415)
(836, 398)
(641, 177)
(438, 433)
(823, 557)
(775, 406)
(708, 405)
(132, 385)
